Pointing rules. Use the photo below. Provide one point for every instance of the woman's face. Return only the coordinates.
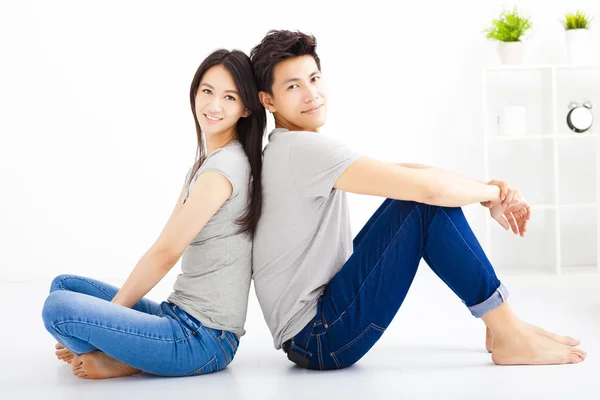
(218, 103)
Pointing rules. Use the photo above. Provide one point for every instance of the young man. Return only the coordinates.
(327, 298)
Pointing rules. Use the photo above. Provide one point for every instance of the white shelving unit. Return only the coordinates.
(555, 169)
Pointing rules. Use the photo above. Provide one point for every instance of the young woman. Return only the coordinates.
(107, 332)
(327, 298)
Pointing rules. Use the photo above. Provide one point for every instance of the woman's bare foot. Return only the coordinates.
(530, 348)
(566, 340)
(63, 353)
(99, 365)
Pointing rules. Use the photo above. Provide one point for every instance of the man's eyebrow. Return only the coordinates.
(297, 79)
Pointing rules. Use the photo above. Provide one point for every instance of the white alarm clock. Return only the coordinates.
(580, 117)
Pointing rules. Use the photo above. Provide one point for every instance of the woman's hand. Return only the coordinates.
(510, 210)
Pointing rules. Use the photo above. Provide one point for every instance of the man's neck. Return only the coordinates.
(291, 127)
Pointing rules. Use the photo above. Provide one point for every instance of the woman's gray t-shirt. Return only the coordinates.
(217, 265)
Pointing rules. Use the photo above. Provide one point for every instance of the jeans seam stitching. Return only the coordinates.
(319, 352)
(309, 336)
(467, 244)
(220, 345)
(62, 281)
(335, 360)
(231, 343)
(116, 330)
(357, 338)
(213, 359)
(376, 266)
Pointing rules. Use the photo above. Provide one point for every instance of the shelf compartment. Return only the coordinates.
(578, 237)
(577, 85)
(536, 252)
(526, 165)
(531, 88)
(577, 171)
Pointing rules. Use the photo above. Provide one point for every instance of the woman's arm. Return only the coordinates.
(424, 185)
(210, 191)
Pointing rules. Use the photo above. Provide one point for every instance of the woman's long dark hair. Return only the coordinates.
(249, 130)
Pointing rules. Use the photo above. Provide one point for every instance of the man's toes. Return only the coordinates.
(581, 353)
(59, 346)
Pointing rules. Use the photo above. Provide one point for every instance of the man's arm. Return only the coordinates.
(424, 185)
(422, 166)
(414, 165)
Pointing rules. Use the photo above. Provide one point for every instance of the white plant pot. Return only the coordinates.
(578, 46)
(510, 52)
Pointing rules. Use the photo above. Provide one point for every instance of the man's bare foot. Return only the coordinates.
(566, 340)
(63, 353)
(489, 340)
(529, 348)
(99, 365)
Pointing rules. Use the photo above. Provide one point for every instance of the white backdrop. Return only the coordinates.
(96, 133)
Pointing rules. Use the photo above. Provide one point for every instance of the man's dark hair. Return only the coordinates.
(275, 47)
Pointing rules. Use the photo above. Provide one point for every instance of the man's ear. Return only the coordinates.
(267, 101)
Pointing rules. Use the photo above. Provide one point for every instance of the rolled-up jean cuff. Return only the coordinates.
(497, 298)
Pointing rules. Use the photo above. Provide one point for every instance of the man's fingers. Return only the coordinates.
(513, 223)
(522, 226)
(502, 221)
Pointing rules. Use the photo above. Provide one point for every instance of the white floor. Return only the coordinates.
(433, 349)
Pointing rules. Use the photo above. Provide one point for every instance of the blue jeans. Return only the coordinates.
(362, 298)
(160, 339)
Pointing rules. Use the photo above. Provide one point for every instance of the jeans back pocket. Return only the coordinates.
(354, 350)
(210, 366)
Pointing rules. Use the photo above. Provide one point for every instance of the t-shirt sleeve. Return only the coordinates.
(316, 163)
(187, 176)
(229, 164)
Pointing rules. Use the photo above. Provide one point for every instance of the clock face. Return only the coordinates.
(580, 119)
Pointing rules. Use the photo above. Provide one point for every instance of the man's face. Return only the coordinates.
(299, 100)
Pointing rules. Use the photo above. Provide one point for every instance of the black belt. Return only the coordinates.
(294, 357)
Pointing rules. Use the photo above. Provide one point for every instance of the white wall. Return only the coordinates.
(96, 133)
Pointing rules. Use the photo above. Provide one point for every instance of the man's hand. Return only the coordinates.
(510, 210)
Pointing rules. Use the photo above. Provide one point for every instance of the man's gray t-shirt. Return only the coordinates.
(303, 237)
(217, 265)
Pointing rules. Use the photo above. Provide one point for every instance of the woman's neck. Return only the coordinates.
(214, 143)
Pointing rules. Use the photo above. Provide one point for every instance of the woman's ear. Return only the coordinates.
(267, 101)
(246, 113)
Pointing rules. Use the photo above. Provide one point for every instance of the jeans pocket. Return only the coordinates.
(353, 351)
(210, 366)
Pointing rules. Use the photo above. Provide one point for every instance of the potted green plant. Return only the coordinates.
(577, 33)
(508, 30)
